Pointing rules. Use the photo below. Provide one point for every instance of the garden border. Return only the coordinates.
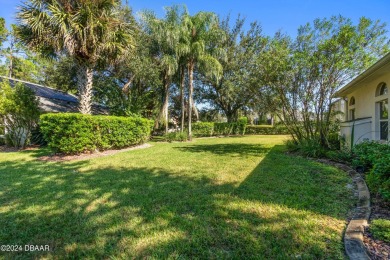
(353, 237)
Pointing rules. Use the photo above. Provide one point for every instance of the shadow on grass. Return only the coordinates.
(149, 212)
(232, 149)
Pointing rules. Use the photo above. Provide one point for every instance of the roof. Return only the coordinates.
(379, 68)
(54, 100)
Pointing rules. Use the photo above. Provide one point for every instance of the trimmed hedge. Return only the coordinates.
(71, 133)
(203, 129)
(266, 130)
(211, 128)
(238, 128)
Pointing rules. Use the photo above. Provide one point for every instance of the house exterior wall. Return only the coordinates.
(366, 110)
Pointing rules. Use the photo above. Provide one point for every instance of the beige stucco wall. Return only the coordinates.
(366, 102)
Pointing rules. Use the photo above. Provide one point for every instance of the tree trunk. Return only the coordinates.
(231, 116)
(84, 81)
(190, 91)
(165, 105)
(10, 66)
(182, 79)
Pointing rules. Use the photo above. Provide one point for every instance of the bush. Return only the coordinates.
(266, 130)
(223, 128)
(19, 107)
(313, 148)
(176, 136)
(374, 158)
(210, 128)
(241, 125)
(338, 156)
(380, 229)
(203, 129)
(367, 153)
(76, 133)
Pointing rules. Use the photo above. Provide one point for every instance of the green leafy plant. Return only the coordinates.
(266, 130)
(380, 228)
(76, 133)
(374, 158)
(19, 108)
(203, 129)
(176, 136)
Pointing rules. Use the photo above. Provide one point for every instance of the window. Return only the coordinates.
(352, 101)
(384, 119)
(381, 89)
(352, 114)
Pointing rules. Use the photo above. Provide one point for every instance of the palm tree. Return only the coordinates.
(165, 34)
(92, 32)
(199, 31)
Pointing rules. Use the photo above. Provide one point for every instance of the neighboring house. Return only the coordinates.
(365, 104)
(53, 100)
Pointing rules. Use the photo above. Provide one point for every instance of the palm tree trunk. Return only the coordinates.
(190, 91)
(84, 81)
(182, 98)
(165, 105)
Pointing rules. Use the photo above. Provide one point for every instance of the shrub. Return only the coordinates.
(341, 156)
(223, 128)
(266, 130)
(210, 128)
(203, 129)
(19, 107)
(367, 153)
(76, 133)
(375, 158)
(241, 126)
(176, 136)
(380, 229)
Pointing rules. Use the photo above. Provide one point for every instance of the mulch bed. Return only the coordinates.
(378, 250)
(6, 149)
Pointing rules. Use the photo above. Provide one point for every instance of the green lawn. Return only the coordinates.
(239, 197)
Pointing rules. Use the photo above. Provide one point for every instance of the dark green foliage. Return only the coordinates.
(19, 107)
(175, 136)
(242, 123)
(266, 130)
(374, 156)
(203, 129)
(211, 128)
(76, 133)
(223, 128)
(310, 148)
(341, 156)
(367, 153)
(380, 228)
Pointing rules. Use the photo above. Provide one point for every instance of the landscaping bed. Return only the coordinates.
(377, 248)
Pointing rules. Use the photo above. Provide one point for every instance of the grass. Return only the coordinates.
(239, 197)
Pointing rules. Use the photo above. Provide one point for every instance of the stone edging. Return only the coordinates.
(353, 237)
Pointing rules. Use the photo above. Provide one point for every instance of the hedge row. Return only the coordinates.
(209, 129)
(374, 158)
(200, 129)
(76, 133)
(266, 130)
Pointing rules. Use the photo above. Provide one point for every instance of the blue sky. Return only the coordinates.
(285, 15)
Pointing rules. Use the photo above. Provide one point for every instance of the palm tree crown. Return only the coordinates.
(90, 31)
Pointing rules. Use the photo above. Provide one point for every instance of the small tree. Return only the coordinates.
(20, 112)
(303, 75)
